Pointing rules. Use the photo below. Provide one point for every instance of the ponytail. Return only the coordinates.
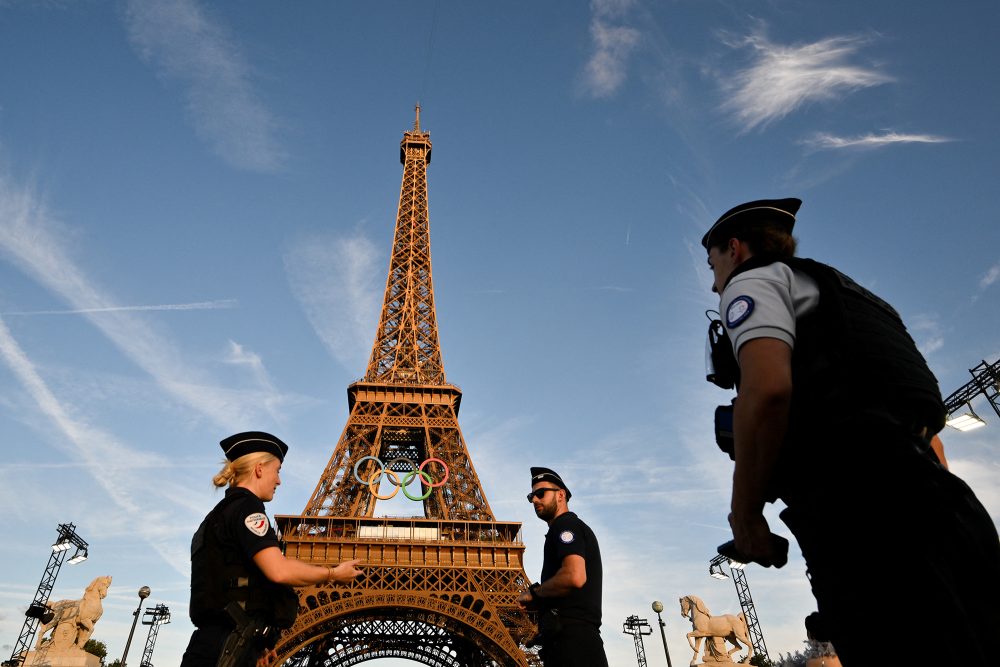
(234, 471)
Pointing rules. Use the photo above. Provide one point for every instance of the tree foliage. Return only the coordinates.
(96, 647)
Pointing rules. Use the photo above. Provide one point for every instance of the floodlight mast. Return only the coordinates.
(158, 615)
(38, 609)
(985, 380)
(637, 627)
(743, 593)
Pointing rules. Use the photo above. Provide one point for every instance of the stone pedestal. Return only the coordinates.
(61, 658)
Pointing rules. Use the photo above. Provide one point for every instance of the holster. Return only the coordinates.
(248, 638)
(549, 626)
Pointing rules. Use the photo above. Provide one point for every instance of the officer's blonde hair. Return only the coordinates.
(234, 471)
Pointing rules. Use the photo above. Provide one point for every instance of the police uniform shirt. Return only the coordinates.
(568, 535)
(249, 524)
(222, 548)
(764, 302)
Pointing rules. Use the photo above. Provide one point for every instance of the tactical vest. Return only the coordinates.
(853, 363)
(220, 574)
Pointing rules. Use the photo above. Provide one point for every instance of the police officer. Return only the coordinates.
(568, 598)
(235, 555)
(834, 414)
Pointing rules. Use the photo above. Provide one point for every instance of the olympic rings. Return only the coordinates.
(415, 471)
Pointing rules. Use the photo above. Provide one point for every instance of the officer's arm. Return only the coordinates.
(293, 572)
(760, 421)
(572, 574)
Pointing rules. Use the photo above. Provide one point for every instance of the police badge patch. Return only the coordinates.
(739, 310)
(567, 536)
(257, 524)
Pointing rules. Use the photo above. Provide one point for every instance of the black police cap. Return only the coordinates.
(781, 211)
(250, 442)
(549, 475)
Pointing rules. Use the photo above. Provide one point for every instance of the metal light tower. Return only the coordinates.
(743, 593)
(38, 610)
(143, 594)
(637, 627)
(985, 381)
(158, 615)
(658, 607)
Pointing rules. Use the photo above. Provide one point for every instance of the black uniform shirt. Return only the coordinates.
(568, 535)
(222, 551)
(248, 523)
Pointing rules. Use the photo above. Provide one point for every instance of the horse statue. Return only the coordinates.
(73, 621)
(718, 630)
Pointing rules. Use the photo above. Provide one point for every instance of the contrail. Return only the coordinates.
(200, 305)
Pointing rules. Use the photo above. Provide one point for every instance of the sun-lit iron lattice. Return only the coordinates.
(440, 589)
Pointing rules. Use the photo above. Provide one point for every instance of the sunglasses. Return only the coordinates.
(540, 493)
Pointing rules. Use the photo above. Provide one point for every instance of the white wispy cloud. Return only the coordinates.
(32, 240)
(781, 78)
(990, 277)
(198, 305)
(606, 69)
(927, 333)
(821, 140)
(334, 278)
(238, 355)
(187, 45)
(96, 449)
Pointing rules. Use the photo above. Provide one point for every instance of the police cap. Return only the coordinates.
(549, 475)
(250, 442)
(781, 211)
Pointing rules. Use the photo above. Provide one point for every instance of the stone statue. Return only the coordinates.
(715, 631)
(73, 621)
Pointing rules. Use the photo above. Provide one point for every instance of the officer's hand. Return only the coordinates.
(525, 600)
(755, 541)
(347, 571)
(267, 658)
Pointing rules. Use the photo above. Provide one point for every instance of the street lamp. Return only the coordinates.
(143, 594)
(658, 607)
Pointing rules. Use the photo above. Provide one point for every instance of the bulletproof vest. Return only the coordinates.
(854, 360)
(220, 574)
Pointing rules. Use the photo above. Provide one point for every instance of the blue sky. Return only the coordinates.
(197, 202)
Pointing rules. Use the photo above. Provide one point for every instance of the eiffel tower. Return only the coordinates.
(440, 589)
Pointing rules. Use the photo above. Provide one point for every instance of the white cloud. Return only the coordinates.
(782, 79)
(611, 8)
(32, 241)
(605, 72)
(111, 464)
(198, 305)
(186, 45)
(237, 355)
(990, 277)
(334, 278)
(822, 140)
(927, 333)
